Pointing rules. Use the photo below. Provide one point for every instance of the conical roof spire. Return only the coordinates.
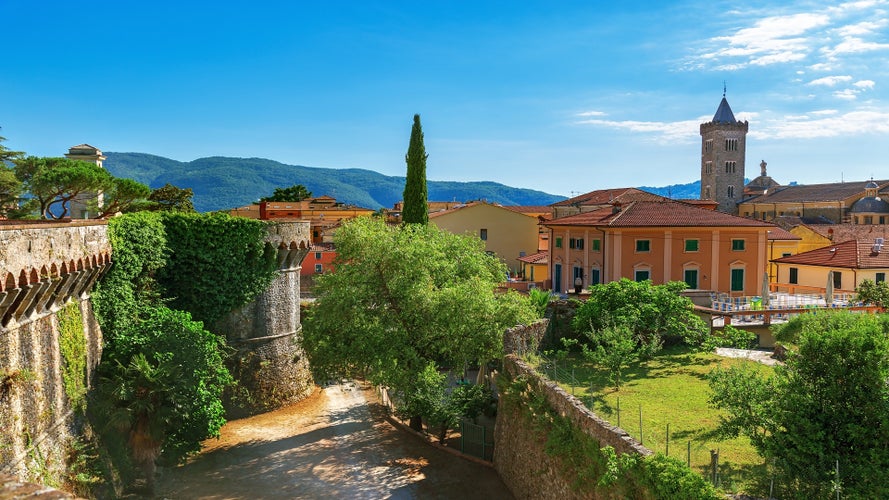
(724, 113)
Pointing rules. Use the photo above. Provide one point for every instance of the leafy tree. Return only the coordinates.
(10, 190)
(615, 349)
(7, 155)
(415, 208)
(163, 382)
(296, 192)
(876, 293)
(55, 182)
(120, 196)
(828, 405)
(170, 198)
(651, 312)
(404, 298)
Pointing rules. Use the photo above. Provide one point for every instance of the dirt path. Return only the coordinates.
(332, 445)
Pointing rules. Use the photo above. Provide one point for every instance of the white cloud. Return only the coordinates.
(831, 81)
(824, 112)
(864, 84)
(846, 94)
(684, 131)
(862, 28)
(592, 113)
(859, 122)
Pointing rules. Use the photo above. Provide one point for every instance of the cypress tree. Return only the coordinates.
(415, 209)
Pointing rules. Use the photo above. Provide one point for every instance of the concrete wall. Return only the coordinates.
(519, 454)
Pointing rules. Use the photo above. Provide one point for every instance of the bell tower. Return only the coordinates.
(723, 149)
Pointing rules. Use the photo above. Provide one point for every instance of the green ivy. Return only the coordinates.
(599, 471)
(72, 343)
(216, 264)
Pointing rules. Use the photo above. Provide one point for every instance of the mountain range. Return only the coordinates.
(221, 183)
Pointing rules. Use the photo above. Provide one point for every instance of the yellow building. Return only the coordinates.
(535, 267)
(507, 234)
(782, 243)
(845, 264)
(835, 201)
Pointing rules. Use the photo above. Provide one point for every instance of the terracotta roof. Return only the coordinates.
(535, 258)
(845, 232)
(605, 196)
(454, 209)
(814, 192)
(778, 233)
(852, 254)
(529, 209)
(665, 213)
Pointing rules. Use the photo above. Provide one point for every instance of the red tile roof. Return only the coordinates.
(845, 232)
(778, 233)
(665, 213)
(604, 196)
(529, 209)
(852, 254)
(535, 258)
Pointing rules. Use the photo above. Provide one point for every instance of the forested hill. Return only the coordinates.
(221, 182)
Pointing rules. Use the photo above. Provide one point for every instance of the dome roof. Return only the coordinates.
(871, 185)
(870, 205)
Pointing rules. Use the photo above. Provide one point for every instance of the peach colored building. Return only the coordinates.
(661, 240)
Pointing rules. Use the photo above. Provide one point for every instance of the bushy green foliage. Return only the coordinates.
(876, 293)
(597, 471)
(162, 373)
(730, 336)
(167, 375)
(140, 248)
(540, 299)
(216, 263)
(404, 297)
(72, 346)
(652, 312)
(615, 348)
(829, 404)
(296, 192)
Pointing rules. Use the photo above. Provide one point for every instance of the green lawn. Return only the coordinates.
(670, 389)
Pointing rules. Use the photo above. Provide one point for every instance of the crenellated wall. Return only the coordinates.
(47, 270)
(271, 364)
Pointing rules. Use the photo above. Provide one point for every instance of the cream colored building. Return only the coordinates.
(508, 234)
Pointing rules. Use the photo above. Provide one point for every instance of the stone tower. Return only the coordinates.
(723, 148)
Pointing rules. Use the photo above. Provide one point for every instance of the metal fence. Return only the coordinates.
(476, 440)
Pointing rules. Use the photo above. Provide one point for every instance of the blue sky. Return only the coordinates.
(565, 97)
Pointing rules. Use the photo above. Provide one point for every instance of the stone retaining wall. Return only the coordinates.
(519, 454)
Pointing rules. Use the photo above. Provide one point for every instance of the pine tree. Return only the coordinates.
(415, 209)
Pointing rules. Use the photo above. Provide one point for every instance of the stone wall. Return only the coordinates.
(45, 267)
(519, 454)
(522, 339)
(271, 367)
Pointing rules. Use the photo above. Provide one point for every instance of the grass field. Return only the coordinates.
(670, 389)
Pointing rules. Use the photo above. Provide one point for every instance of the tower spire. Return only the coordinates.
(723, 88)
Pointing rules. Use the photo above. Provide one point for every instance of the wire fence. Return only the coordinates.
(652, 429)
